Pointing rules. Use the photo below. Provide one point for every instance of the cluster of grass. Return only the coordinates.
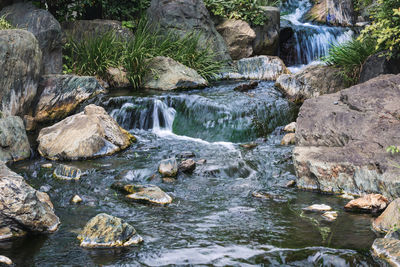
(350, 57)
(93, 56)
(4, 24)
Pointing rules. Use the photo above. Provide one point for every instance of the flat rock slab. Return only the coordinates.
(387, 250)
(106, 231)
(144, 193)
(318, 208)
(371, 203)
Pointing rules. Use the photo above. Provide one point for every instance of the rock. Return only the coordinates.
(387, 250)
(201, 162)
(20, 61)
(378, 64)
(341, 148)
(244, 87)
(30, 123)
(47, 166)
(14, 144)
(371, 203)
(62, 94)
(5, 260)
(168, 74)
(65, 172)
(46, 29)
(89, 134)
(182, 17)
(290, 128)
(267, 35)
(311, 82)
(288, 139)
(291, 183)
(76, 199)
(318, 208)
(239, 37)
(258, 68)
(265, 195)
(346, 196)
(117, 77)
(186, 155)
(333, 12)
(168, 167)
(389, 219)
(168, 180)
(249, 146)
(22, 208)
(81, 30)
(330, 215)
(106, 231)
(187, 166)
(144, 193)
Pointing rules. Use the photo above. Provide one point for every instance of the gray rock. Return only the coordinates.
(62, 94)
(117, 77)
(46, 29)
(89, 134)
(22, 208)
(188, 166)
(239, 37)
(378, 64)
(387, 250)
(20, 61)
(14, 144)
(342, 148)
(148, 193)
(106, 231)
(267, 35)
(80, 30)
(311, 82)
(167, 74)
(184, 16)
(168, 167)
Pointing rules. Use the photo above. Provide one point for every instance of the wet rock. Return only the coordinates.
(144, 193)
(387, 250)
(378, 64)
(341, 148)
(371, 203)
(62, 94)
(47, 166)
(291, 183)
(185, 16)
(244, 87)
(106, 231)
(79, 30)
(67, 172)
(91, 133)
(288, 139)
(186, 155)
(76, 199)
(265, 195)
(168, 74)
(333, 12)
(5, 260)
(311, 82)
(346, 196)
(187, 166)
(20, 61)
(169, 180)
(22, 208)
(249, 146)
(318, 208)
(239, 37)
(30, 123)
(389, 219)
(267, 35)
(290, 128)
(14, 144)
(330, 215)
(117, 78)
(201, 162)
(168, 167)
(44, 27)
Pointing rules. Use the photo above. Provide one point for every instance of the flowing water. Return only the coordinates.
(214, 220)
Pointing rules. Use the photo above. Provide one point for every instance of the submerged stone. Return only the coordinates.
(168, 167)
(318, 208)
(67, 172)
(330, 215)
(249, 146)
(106, 231)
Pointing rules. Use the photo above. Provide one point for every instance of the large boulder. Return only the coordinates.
(91, 133)
(185, 16)
(80, 30)
(342, 139)
(387, 250)
(20, 61)
(46, 29)
(22, 208)
(389, 219)
(14, 144)
(311, 82)
(378, 64)
(167, 74)
(333, 12)
(371, 203)
(239, 37)
(267, 35)
(62, 94)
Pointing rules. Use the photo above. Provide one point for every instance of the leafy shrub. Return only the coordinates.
(4, 24)
(349, 57)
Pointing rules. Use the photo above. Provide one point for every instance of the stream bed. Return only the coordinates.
(213, 220)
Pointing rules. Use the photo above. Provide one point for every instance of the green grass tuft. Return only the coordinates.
(4, 24)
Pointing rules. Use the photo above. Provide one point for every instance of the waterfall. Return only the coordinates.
(163, 116)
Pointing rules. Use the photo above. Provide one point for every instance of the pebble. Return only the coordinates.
(346, 196)
(249, 146)
(76, 199)
(318, 208)
(47, 166)
(330, 215)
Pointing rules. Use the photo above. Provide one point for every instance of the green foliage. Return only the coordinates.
(393, 149)
(385, 28)
(361, 4)
(4, 24)
(349, 57)
(247, 10)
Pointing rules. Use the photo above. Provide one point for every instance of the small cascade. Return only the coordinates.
(308, 42)
(163, 116)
